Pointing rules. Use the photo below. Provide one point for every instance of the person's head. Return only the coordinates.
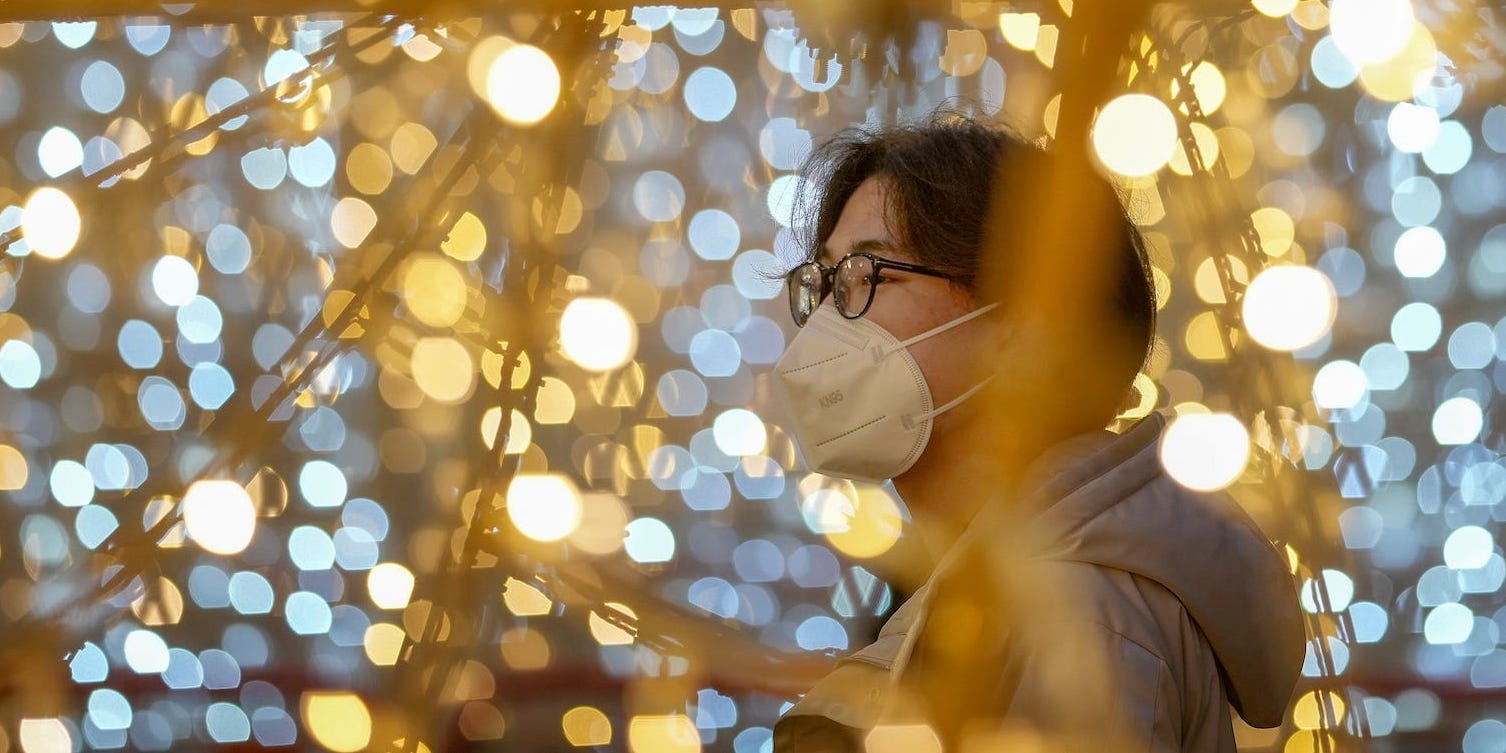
(921, 194)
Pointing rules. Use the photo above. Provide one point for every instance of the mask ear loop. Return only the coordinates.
(954, 402)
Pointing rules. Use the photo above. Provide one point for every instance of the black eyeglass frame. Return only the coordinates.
(878, 263)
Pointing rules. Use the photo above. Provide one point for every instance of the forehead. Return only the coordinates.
(862, 226)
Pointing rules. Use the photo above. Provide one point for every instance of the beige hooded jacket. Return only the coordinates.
(1188, 606)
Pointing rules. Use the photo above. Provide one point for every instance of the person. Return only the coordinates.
(1174, 607)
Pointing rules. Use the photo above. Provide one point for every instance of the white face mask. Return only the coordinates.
(858, 404)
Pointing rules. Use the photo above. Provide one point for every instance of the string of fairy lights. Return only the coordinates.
(492, 436)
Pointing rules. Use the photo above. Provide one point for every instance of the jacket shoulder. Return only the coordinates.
(1122, 603)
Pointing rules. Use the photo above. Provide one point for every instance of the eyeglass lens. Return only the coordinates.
(805, 292)
(854, 285)
(852, 290)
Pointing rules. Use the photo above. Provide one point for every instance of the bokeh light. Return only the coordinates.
(1370, 31)
(598, 334)
(523, 84)
(544, 507)
(50, 223)
(219, 516)
(1288, 307)
(339, 721)
(1134, 135)
(1205, 451)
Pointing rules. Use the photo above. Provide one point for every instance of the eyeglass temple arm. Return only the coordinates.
(907, 267)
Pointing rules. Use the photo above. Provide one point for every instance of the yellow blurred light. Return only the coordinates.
(1147, 394)
(606, 633)
(634, 42)
(543, 506)
(1163, 287)
(872, 529)
(383, 643)
(434, 290)
(598, 334)
(351, 221)
(603, 518)
(421, 48)
(1020, 30)
(1399, 77)
(1370, 31)
(162, 605)
(443, 369)
(670, 733)
(555, 403)
(1288, 307)
(411, 145)
(524, 599)
(1135, 135)
(519, 433)
(218, 516)
(336, 301)
(902, 738)
(491, 369)
(13, 468)
(1312, 707)
(567, 210)
(1045, 44)
(1208, 86)
(50, 223)
(467, 239)
(368, 168)
(1208, 283)
(1309, 741)
(1311, 14)
(1237, 148)
(416, 617)
(522, 84)
(1276, 230)
(44, 736)
(586, 726)
(390, 585)
(473, 682)
(484, 52)
(827, 509)
(1205, 451)
(338, 721)
(481, 720)
(1275, 8)
(524, 649)
(965, 51)
(1207, 148)
(1051, 113)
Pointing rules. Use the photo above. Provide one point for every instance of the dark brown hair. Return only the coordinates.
(939, 174)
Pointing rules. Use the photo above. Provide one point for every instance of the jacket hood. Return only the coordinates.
(1104, 499)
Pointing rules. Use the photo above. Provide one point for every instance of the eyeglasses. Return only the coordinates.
(851, 282)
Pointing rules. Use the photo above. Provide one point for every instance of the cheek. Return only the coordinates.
(946, 362)
(946, 359)
(908, 310)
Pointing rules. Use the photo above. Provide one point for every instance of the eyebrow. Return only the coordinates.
(867, 244)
